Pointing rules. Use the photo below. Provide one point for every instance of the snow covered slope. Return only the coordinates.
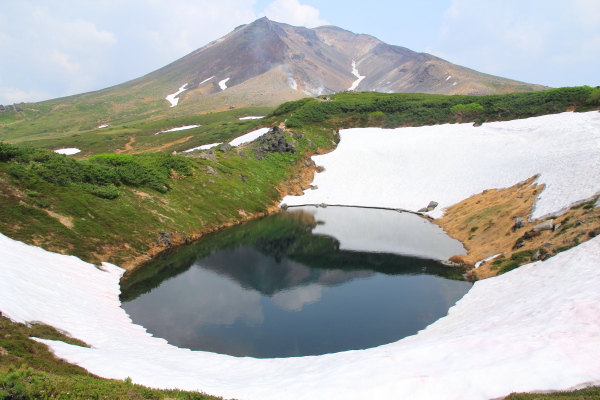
(408, 167)
(534, 328)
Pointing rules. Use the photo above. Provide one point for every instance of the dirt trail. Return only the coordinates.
(128, 145)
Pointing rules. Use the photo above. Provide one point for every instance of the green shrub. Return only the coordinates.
(467, 111)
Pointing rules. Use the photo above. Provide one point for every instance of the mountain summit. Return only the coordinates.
(269, 58)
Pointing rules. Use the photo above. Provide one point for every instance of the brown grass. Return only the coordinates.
(484, 224)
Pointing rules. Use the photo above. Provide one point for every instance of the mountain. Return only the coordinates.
(252, 70)
(265, 62)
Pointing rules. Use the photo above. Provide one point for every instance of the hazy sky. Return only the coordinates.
(54, 48)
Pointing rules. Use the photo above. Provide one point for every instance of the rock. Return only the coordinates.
(452, 264)
(594, 233)
(244, 178)
(323, 205)
(519, 223)
(298, 135)
(518, 244)
(211, 181)
(283, 206)
(225, 147)
(314, 187)
(275, 129)
(432, 205)
(548, 244)
(210, 170)
(307, 163)
(555, 228)
(424, 209)
(164, 239)
(544, 226)
(320, 169)
(536, 256)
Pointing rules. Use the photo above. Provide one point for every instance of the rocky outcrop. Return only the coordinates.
(14, 108)
(432, 205)
(274, 141)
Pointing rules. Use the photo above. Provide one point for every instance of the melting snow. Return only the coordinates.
(248, 137)
(223, 84)
(181, 128)
(203, 147)
(448, 78)
(454, 84)
(172, 98)
(356, 74)
(251, 117)
(408, 167)
(530, 329)
(206, 80)
(69, 151)
(103, 126)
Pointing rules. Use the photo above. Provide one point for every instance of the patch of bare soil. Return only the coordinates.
(66, 221)
(128, 145)
(485, 224)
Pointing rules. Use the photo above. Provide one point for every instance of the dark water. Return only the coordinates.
(300, 283)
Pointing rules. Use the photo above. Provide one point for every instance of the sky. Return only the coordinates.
(55, 48)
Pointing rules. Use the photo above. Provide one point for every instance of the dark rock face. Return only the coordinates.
(274, 141)
(225, 147)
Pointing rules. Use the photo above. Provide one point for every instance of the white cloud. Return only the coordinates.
(74, 47)
(294, 13)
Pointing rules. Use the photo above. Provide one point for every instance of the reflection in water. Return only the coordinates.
(299, 283)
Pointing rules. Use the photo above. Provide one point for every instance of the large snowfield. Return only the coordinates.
(534, 328)
(409, 167)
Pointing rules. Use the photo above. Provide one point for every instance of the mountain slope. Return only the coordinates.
(259, 65)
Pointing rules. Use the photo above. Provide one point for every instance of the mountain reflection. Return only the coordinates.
(253, 270)
(283, 251)
(298, 283)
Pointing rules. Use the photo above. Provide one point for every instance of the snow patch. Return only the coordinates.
(172, 98)
(408, 167)
(248, 137)
(68, 151)
(206, 80)
(448, 78)
(478, 263)
(454, 84)
(356, 74)
(181, 128)
(250, 117)
(103, 126)
(223, 84)
(203, 147)
(535, 332)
